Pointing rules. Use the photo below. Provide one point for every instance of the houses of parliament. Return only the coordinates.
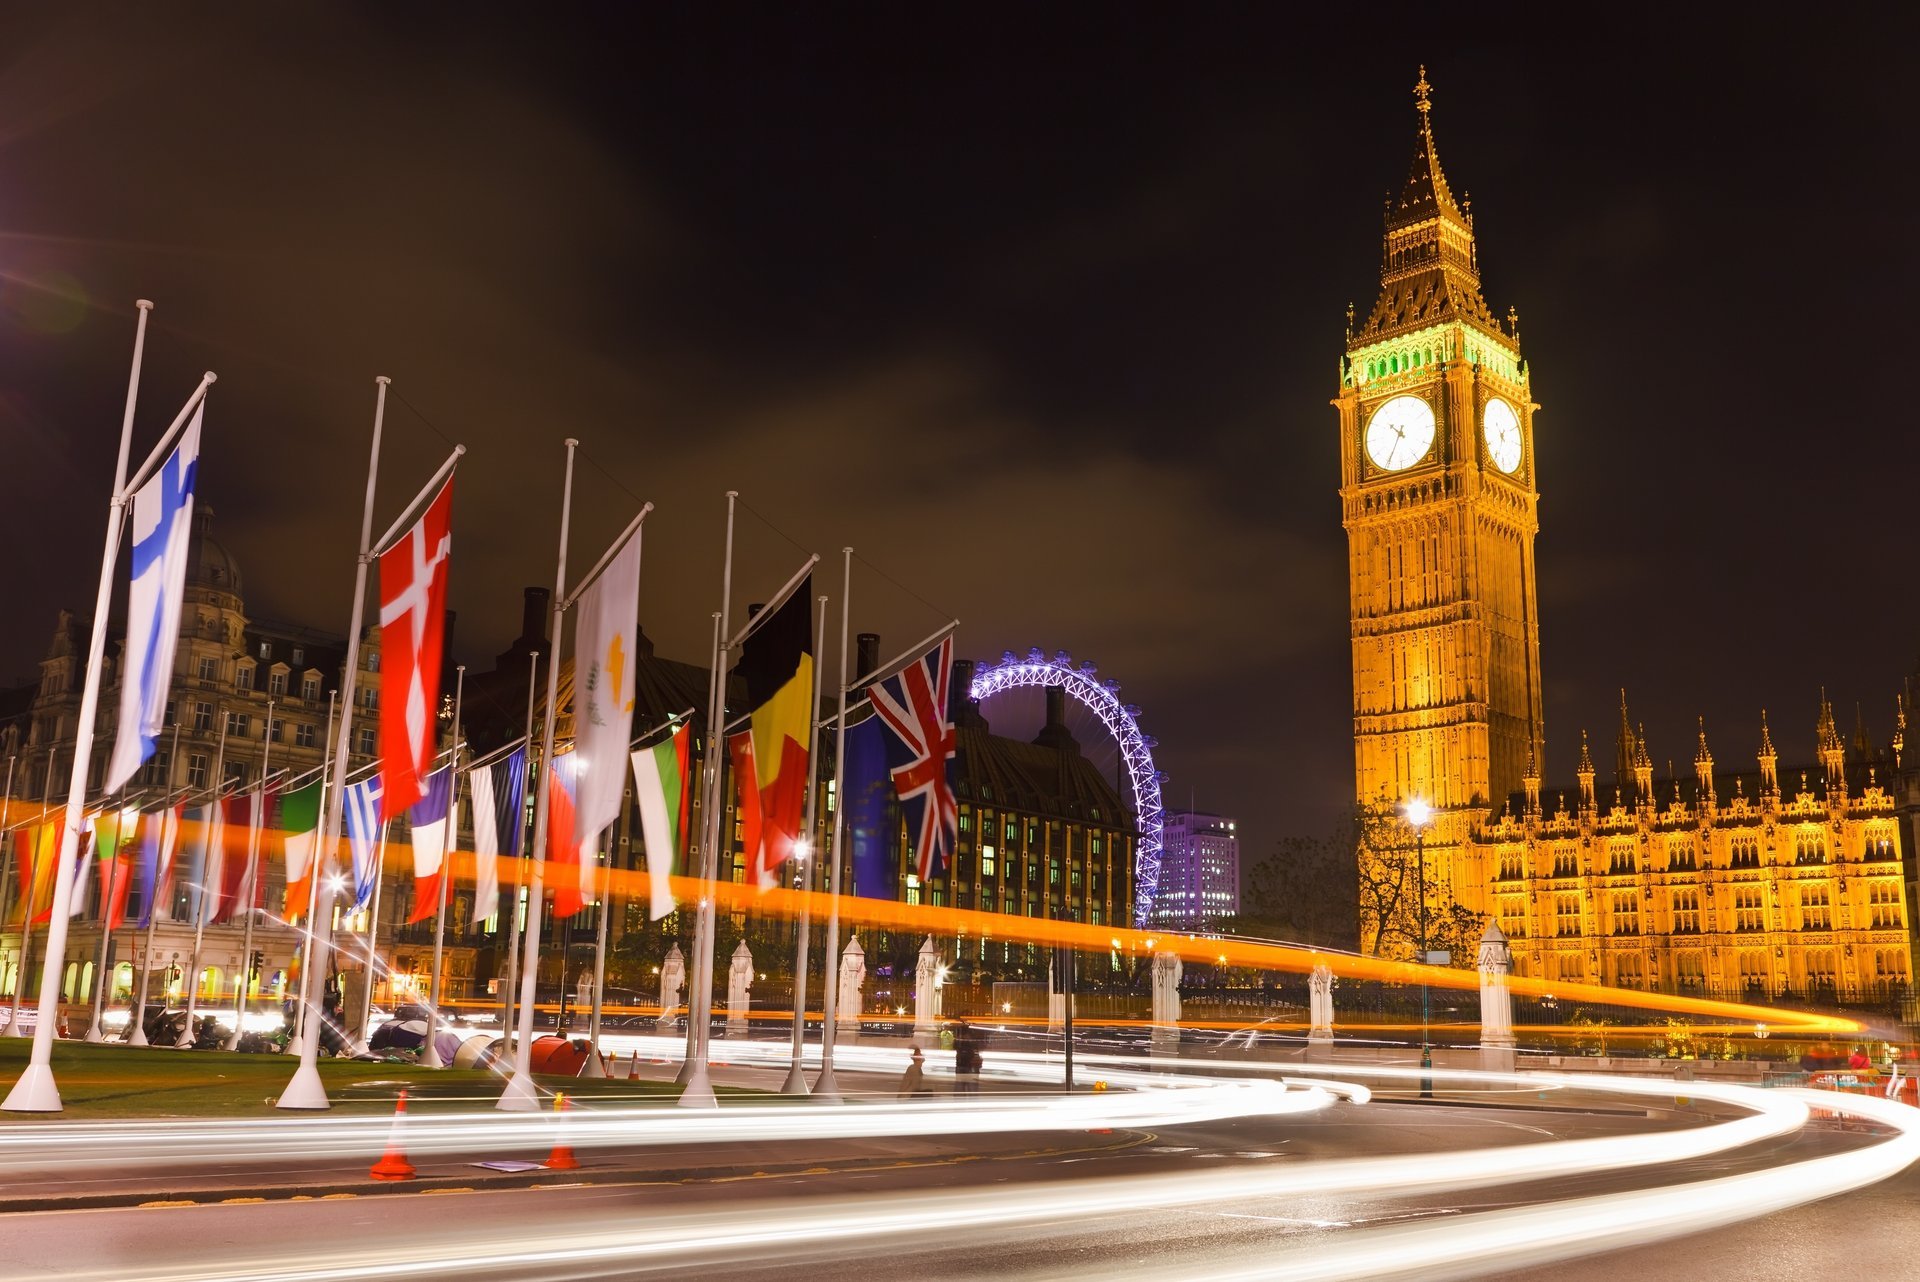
(1743, 883)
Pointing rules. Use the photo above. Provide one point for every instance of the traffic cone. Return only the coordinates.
(393, 1165)
(562, 1158)
(633, 1068)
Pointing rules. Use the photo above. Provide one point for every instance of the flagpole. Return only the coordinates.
(253, 880)
(213, 824)
(796, 1083)
(430, 1054)
(137, 1025)
(699, 1090)
(13, 862)
(521, 1094)
(36, 1090)
(106, 915)
(512, 923)
(604, 893)
(313, 887)
(13, 1028)
(304, 1090)
(373, 933)
(825, 1088)
(713, 700)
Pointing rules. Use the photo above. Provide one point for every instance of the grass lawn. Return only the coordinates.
(110, 1081)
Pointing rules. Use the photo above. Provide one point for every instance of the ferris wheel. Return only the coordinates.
(1122, 722)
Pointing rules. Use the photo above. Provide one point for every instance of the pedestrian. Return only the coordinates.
(966, 1058)
(1858, 1061)
(913, 1082)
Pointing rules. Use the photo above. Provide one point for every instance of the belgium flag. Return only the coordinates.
(770, 756)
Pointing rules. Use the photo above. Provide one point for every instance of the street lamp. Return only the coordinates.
(1419, 815)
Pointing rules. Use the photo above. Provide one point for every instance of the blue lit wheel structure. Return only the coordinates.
(1122, 721)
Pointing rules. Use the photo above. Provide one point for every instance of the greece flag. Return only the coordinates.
(162, 522)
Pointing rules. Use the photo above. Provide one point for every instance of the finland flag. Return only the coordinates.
(162, 522)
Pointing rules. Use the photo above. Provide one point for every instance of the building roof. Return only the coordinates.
(1429, 274)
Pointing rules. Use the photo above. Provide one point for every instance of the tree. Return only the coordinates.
(1387, 857)
(1302, 892)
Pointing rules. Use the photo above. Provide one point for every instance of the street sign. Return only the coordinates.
(1439, 957)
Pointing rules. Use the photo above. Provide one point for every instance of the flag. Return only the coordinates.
(113, 843)
(300, 837)
(77, 896)
(430, 818)
(499, 794)
(872, 818)
(365, 840)
(162, 523)
(660, 776)
(776, 665)
(912, 706)
(413, 613)
(567, 872)
(604, 641)
(205, 859)
(34, 851)
(240, 820)
(159, 842)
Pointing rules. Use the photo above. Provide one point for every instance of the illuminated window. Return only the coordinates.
(1883, 900)
(1749, 908)
(1815, 913)
(1686, 912)
(1745, 853)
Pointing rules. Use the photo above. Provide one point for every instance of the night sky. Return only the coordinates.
(1038, 307)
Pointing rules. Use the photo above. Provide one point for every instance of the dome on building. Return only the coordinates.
(209, 564)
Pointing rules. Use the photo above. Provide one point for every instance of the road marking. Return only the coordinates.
(144, 1205)
(240, 1201)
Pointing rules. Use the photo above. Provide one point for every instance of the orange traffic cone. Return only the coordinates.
(393, 1165)
(562, 1158)
(633, 1068)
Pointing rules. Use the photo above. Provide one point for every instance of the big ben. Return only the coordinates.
(1440, 502)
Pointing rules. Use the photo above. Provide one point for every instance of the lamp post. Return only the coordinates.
(1420, 814)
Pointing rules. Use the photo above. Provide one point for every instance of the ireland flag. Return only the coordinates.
(660, 777)
(300, 821)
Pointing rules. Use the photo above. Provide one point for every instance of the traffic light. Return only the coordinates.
(257, 962)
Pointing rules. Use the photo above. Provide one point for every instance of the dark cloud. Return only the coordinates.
(1039, 313)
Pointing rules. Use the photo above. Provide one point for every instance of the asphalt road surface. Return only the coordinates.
(1869, 1233)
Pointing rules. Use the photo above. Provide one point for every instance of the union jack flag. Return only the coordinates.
(912, 705)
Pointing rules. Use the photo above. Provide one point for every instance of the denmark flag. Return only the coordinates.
(413, 612)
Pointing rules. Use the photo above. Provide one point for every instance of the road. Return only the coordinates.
(763, 1229)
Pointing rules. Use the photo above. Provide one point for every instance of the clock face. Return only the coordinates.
(1400, 433)
(1502, 428)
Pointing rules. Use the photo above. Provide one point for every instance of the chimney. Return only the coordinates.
(533, 617)
(1055, 734)
(960, 705)
(866, 654)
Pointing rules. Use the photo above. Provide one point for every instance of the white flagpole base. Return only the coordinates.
(826, 1090)
(95, 1035)
(233, 1041)
(699, 1091)
(15, 1029)
(185, 1040)
(137, 1036)
(304, 1091)
(796, 1083)
(521, 1095)
(593, 1067)
(430, 1053)
(685, 1074)
(35, 1092)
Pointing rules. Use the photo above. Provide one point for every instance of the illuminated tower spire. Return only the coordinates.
(1703, 768)
(1429, 271)
(1769, 764)
(1530, 780)
(1642, 768)
(1584, 773)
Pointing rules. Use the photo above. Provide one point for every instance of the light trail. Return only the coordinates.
(1144, 1100)
(607, 1243)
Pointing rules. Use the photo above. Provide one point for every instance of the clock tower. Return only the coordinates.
(1437, 493)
